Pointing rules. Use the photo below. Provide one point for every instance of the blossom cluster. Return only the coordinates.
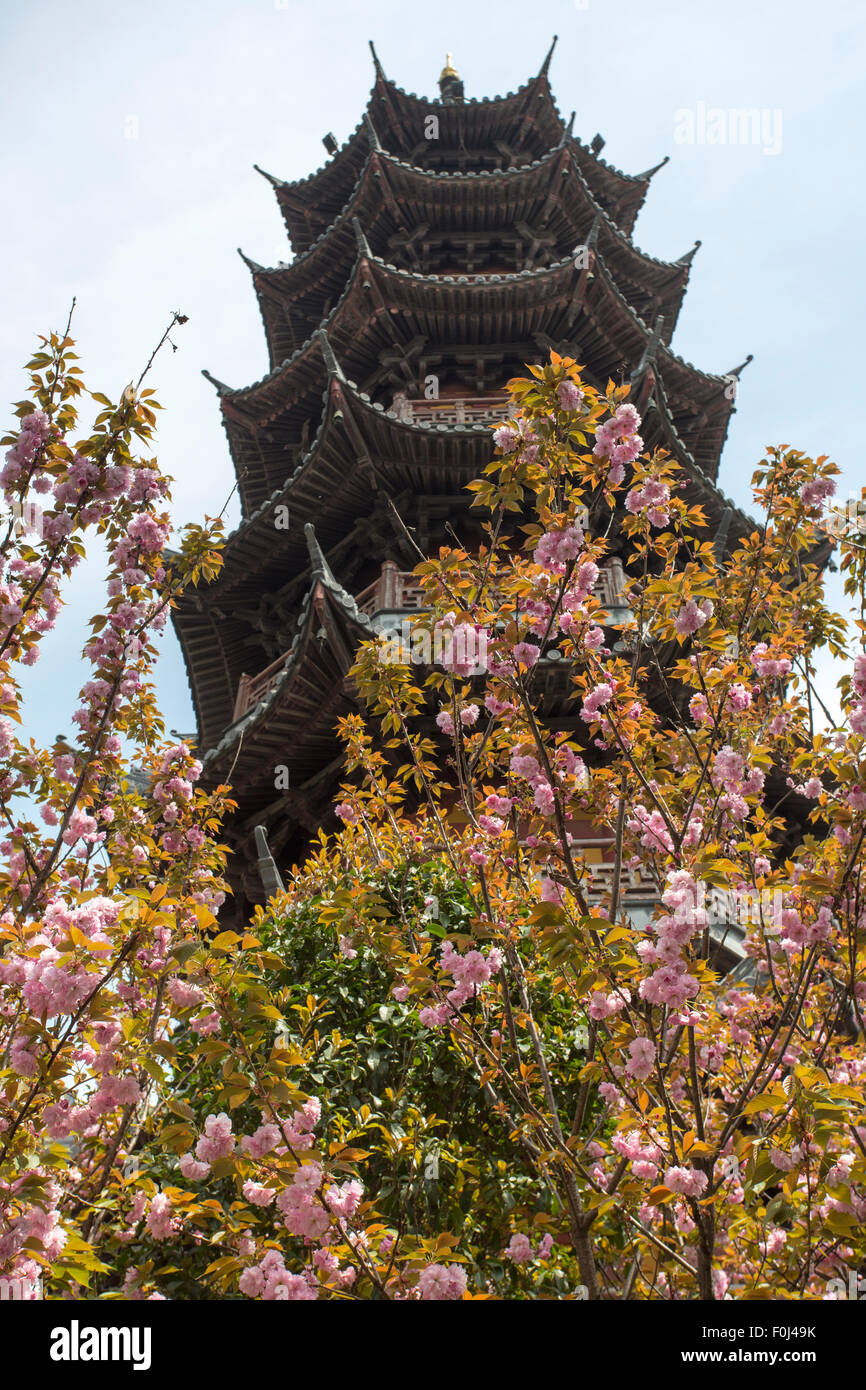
(617, 439)
(470, 972)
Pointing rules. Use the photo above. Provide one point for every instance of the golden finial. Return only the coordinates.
(449, 69)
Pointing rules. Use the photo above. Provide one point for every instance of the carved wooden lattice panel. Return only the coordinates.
(469, 410)
(634, 882)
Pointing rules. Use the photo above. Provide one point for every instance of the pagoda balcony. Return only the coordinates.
(640, 897)
(396, 592)
(400, 591)
(451, 410)
(253, 689)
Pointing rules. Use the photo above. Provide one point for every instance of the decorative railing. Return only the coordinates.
(253, 689)
(395, 591)
(449, 410)
(635, 881)
(640, 895)
(400, 591)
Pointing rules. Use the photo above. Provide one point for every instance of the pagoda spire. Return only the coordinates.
(648, 173)
(380, 71)
(249, 263)
(450, 83)
(690, 255)
(275, 182)
(418, 264)
(735, 371)
(221, 388)
(542, 72)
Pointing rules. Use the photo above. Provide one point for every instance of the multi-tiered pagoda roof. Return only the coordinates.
(443, 247)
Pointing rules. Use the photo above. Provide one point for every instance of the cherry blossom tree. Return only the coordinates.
(614, 1113)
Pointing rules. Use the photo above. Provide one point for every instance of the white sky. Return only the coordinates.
(136, 227)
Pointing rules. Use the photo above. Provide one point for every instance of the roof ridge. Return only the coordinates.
(663, 348)
(346, 214)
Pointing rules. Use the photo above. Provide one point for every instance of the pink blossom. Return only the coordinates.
(524, 765)
(258, 1195)
(183, 993)
(440, 1282)
(161, 1222)
(655, 834)
(506, 438)
(464, 651)
(263, 1141)
(618, 440)
(669, 985)
(739, 698)
(556, 548)
(570, 395)
(728, 767)
(603, 1005)
(192, 1170)
(595, 700)
(217, 1140)
(688, 1182)
(445, 722)
(767, 666)
(206, 1024)
(526, 653)
(642, 1058)
(518, 1249)
(551, 891)
(814, 492)
(693, 615)
(344, 1198)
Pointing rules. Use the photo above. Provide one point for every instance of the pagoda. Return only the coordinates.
(444, 246)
